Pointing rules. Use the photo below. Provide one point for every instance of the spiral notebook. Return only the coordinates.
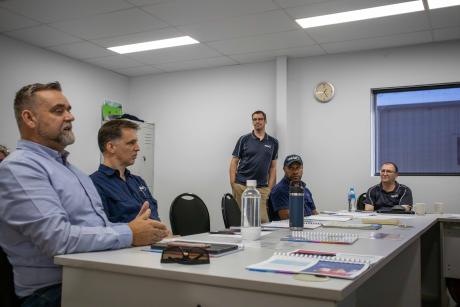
(339, 265)
(321, 237)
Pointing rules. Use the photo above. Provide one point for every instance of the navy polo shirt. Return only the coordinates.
(122, 200)
(379, 198)
(279, 198)
(255, 158)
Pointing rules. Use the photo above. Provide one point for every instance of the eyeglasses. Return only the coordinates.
(185, 255)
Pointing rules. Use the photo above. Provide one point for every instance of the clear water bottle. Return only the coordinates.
(295, 206)
(250, 213)
(351, 200)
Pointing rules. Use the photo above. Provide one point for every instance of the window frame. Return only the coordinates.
(375, 169)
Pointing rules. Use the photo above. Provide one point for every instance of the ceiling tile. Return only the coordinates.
(196, 64)
(183, 12)
(111, 24)
(272, 54)
(446, 34)
(391, 25)
(82, 50)
(445, 17)
(11, 21)
(146, 2)
(293, 3)
(138, 71)
(262, 23)
(379, 42)
(182, 53)
(330, 7)
(42, 36)
(114, 62)
(263, 42)
(55, 10)
(139, 37)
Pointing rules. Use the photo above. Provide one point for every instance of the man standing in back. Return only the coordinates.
(48, 207)
(254, 158)
(122, 193)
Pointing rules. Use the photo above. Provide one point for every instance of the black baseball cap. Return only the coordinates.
(292, 159)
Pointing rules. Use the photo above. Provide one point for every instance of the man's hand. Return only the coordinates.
(407, 208)
(145, 230)
(368, 207)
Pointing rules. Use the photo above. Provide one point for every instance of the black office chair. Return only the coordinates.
(453, 285)
(360, 202)
(272, 215)
(188, 215)
(230, 211)
(7, 296)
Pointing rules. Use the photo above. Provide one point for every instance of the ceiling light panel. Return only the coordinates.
(437, 4)
(158, 44)
(363, 14)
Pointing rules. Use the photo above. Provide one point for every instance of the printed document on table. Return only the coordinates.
(327, 218)
(285, 224)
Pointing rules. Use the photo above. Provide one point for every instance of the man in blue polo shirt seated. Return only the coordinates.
(122, 193)
(278, 201)
(389, 195)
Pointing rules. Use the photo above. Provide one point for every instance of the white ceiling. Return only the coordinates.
(230, 31)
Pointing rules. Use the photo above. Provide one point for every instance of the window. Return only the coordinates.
(418, 128)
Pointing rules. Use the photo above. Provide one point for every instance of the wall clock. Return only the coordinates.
(324, 91)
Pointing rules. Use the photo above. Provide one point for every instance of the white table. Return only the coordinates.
(132, 277)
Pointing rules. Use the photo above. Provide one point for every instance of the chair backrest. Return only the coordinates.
(272, 215)
(7, 296)
(360, 202)
(230, 211)
(188, 215)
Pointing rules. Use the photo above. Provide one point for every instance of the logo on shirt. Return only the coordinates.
(394, 195)
(143, 190)
(269, 146)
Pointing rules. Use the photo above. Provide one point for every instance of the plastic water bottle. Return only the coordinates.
(351, 200)
(250, 213)
(296, 206)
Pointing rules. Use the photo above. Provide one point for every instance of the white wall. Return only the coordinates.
(85, 86)
(198, 118)
(200, 114)
(335, 138)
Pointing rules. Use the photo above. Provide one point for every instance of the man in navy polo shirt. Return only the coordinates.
(122, 193)
(254, 158)
(279, 197)
(389, 192)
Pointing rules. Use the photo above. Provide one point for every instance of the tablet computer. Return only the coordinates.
(212, 248)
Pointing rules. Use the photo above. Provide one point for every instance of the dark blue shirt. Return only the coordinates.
(122, 200)
(255, 158)
(279, 198)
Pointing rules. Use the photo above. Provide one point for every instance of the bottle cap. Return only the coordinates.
(251, 183)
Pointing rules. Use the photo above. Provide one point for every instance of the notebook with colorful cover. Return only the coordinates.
(340, 265)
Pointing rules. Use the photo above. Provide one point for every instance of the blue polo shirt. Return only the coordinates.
(380, 199)
(279, 198)
(255, 158)
(122, 200)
